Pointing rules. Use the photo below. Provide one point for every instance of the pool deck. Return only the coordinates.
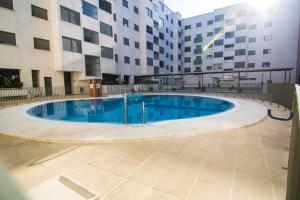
(244, 113)
(241, 163)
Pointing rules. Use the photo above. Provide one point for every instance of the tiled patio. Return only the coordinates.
(244, 163)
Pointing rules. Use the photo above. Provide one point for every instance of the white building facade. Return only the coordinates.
(68, 42)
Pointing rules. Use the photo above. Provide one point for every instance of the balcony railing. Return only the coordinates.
(198, 51)
(198, 40)
(197, 62)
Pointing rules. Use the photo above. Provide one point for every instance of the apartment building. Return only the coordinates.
(69, 42)
(66, 42)
(242, 37)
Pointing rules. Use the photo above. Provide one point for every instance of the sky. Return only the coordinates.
(189, 8)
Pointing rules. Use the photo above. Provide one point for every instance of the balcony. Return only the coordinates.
(198, 40)
(197, 62)
(198, 51)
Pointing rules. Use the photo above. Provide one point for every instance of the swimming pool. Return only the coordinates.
(111, 110)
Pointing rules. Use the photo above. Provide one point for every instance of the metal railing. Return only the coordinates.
(16, 96)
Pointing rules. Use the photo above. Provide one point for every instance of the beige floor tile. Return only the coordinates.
(124, 167)
(175, 184)
(218, 162)
(129, 190)
(32, 176)
(103, 183)
(84, 174)
(105, 160)
(140, 155)
(205, 191)
(162, 160)
(147, 174)
(215, 176)
(158, 195)
(252, 167)
(63, 164)
(186, 167)
(261, 188)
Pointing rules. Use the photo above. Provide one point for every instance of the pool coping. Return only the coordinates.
(50, 130)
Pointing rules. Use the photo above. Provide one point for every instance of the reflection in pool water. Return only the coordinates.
(157, 108)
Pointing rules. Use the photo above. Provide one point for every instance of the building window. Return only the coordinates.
(219, 18)
(251, 65)
(137, 45)
(150, 46)
(218, 54)
(72, 45)
(156, 55)
(116, 37)
(136, 27)
(210, 22)
(126, 59)
(39, 12)
(187, 59)
(107, 52)
(239, 65)
(136, 10)
(149, 29)
(35, 78)
(91, 36)
(230, 22)
(161, 50)
(218, 42)
(149, 12)
(116, 58)
(10, 78)
(229, 58)
(106, 29)
(126, 41)
(252, 39)
(208, 68)
(137, 62)
(251, 53)
(218, 66)
(161, 22)
(115, 17)
(92, 66)
(125, 22)
(267, 37)
(209, 34)
(199, 24)
(69, 15)
(89, 10)
(240, 52)
(105, 5)
(187, 49)
(187, 69)
(161, 64)
(219, 30)
(7, 4)
(228, 47)
(41, 44)
(187, 38)
(7, 38)
(229, 35)
(125, 3)
(266, 51)
(161, 36)
(209, 57)
(241, 26)
(266, 64)
(240, 39)
(149, 61)
(187, 27)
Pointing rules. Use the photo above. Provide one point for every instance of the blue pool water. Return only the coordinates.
(157, 108)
